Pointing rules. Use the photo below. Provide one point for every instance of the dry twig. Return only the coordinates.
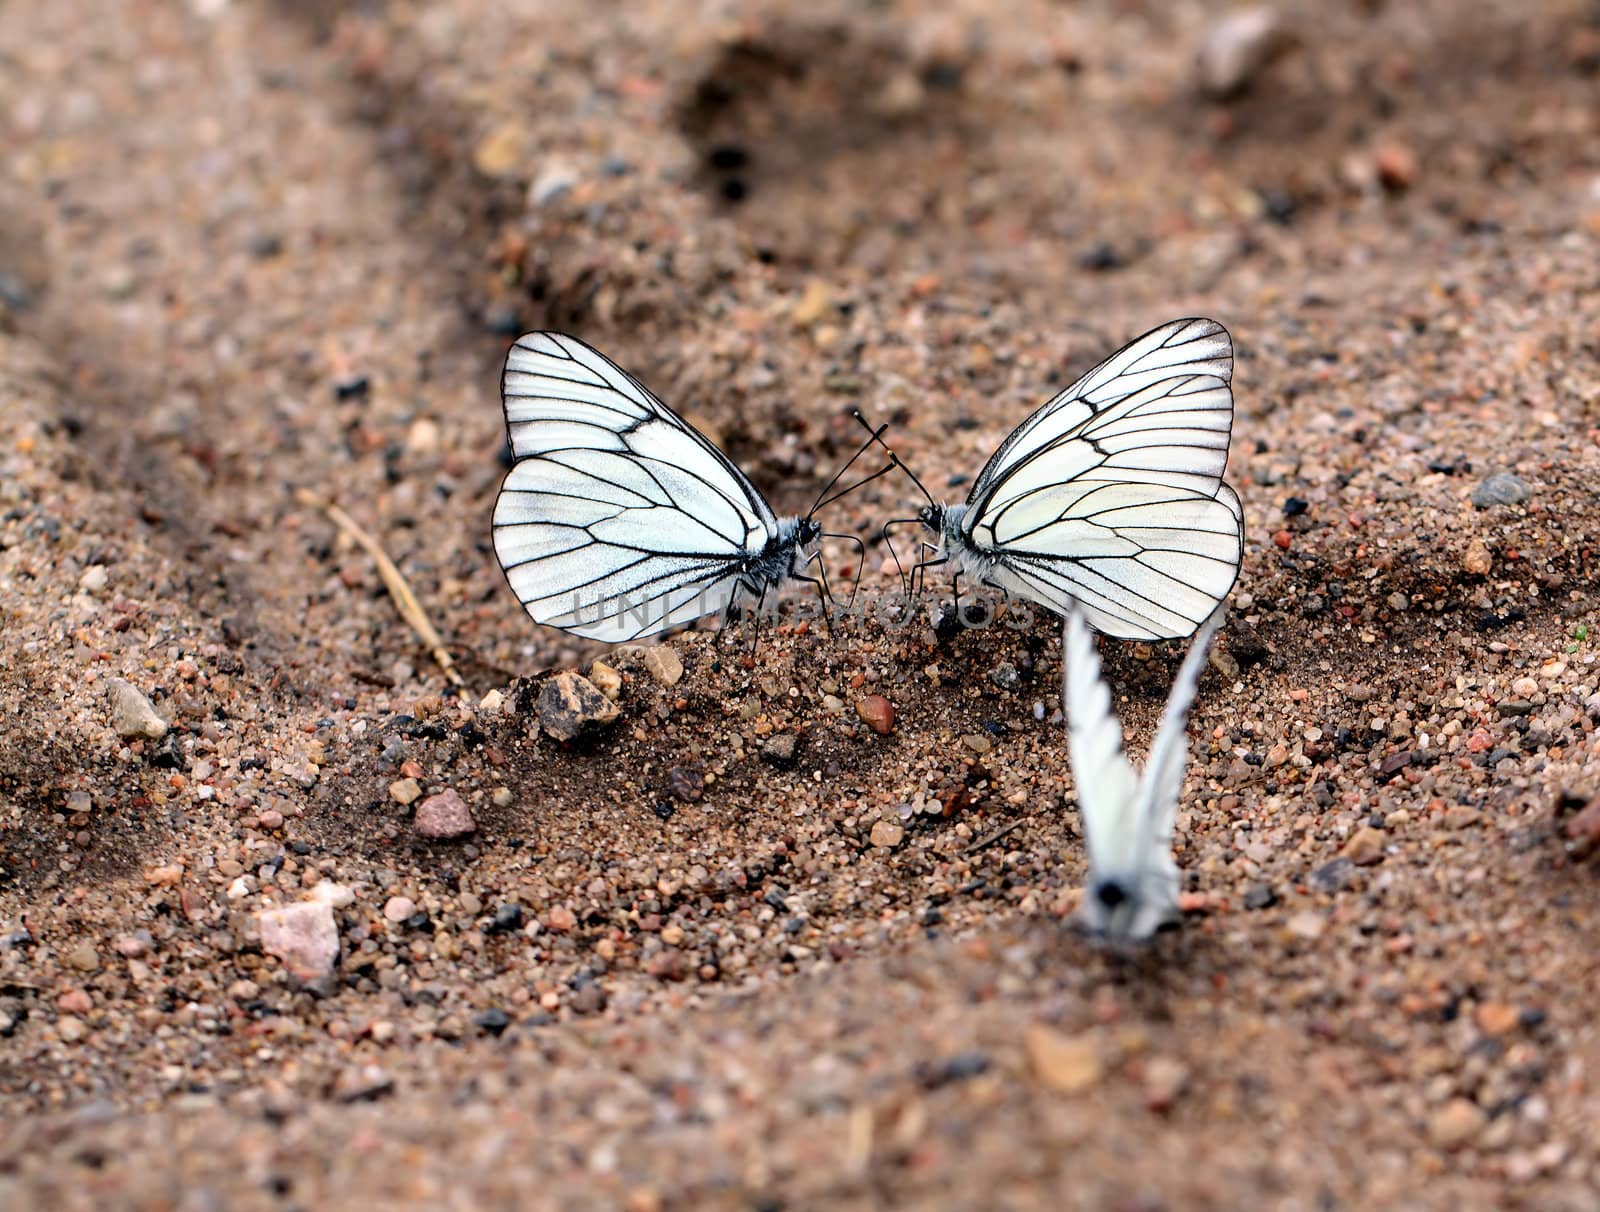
(405, 601)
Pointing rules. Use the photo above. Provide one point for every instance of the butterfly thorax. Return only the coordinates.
(786, 554)
(954, 543)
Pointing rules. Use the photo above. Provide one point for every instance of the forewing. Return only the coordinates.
(1162, 781)
(1105, 782)
(1167, 391)
(618, 519)
(1112, 493)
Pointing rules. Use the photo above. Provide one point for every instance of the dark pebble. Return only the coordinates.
(507, 918)
(1394, 763)
(14, 292)
(1100, 258)
(957, 1068)
(1005, 676)
(591, 999)
(503, 321)
(355, 387)
(1260, 896)
(1279, 205)
(1295, 506)
(686, 783)
(265, 244)
(493, 1021)
(728, 157)
(1334, 876)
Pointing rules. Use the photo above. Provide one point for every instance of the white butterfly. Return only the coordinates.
(1127, 820)
(1111, 494)
(619, 519)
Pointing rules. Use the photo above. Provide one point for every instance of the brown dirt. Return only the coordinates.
(247, 250)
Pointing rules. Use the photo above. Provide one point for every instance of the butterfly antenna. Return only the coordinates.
(894, 459)
(861, 483)
(839, 475)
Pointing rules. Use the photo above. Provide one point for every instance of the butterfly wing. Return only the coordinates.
(619, 519)
(1162, 781)
(1111, 493)
(1105, 782)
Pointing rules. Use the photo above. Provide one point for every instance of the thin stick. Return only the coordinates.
(405, 601)
(994, 837)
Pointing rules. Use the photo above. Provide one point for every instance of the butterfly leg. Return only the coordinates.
(823, 596)
(755, 629)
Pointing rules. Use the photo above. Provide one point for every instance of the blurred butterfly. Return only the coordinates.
(1111, 494)
(618, 519)
(1127, 820)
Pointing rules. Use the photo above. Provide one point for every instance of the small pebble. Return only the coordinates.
(1396, 165)
(84, 958)
(132, 715)
(405, 791)
(1307, 925)
(398, 908)
(1365, 847)
(780, 750)
(445, 815)
(1503, 488)
(334, 894)
(877, 713)
(1497, 1018)
(686, 783)
(571, 706)
(1455, 1124)
(1477, 559)
(662, 662)
(304, 936)
(362, 1084)
(607, 679)
(1063, 1063)
(1165, 1078)
(888, 834)
(493, 1021)
(1238, 48)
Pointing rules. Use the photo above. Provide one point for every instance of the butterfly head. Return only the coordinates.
(806, 532)
(1127, 910)
(932, 516)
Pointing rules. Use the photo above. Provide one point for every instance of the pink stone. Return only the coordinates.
(304, 936)
(445, 815)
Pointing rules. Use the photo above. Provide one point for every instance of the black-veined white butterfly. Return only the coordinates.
(618, 519)
(1111, 494)
(1127, 819)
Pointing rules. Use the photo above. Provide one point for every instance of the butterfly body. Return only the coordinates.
(1110, 495)
(785, 557)
(618, 519)
(1128, 818)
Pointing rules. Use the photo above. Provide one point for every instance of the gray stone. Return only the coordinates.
(1502, 488)
(132, 715)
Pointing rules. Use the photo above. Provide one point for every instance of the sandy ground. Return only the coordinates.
(254, 251)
